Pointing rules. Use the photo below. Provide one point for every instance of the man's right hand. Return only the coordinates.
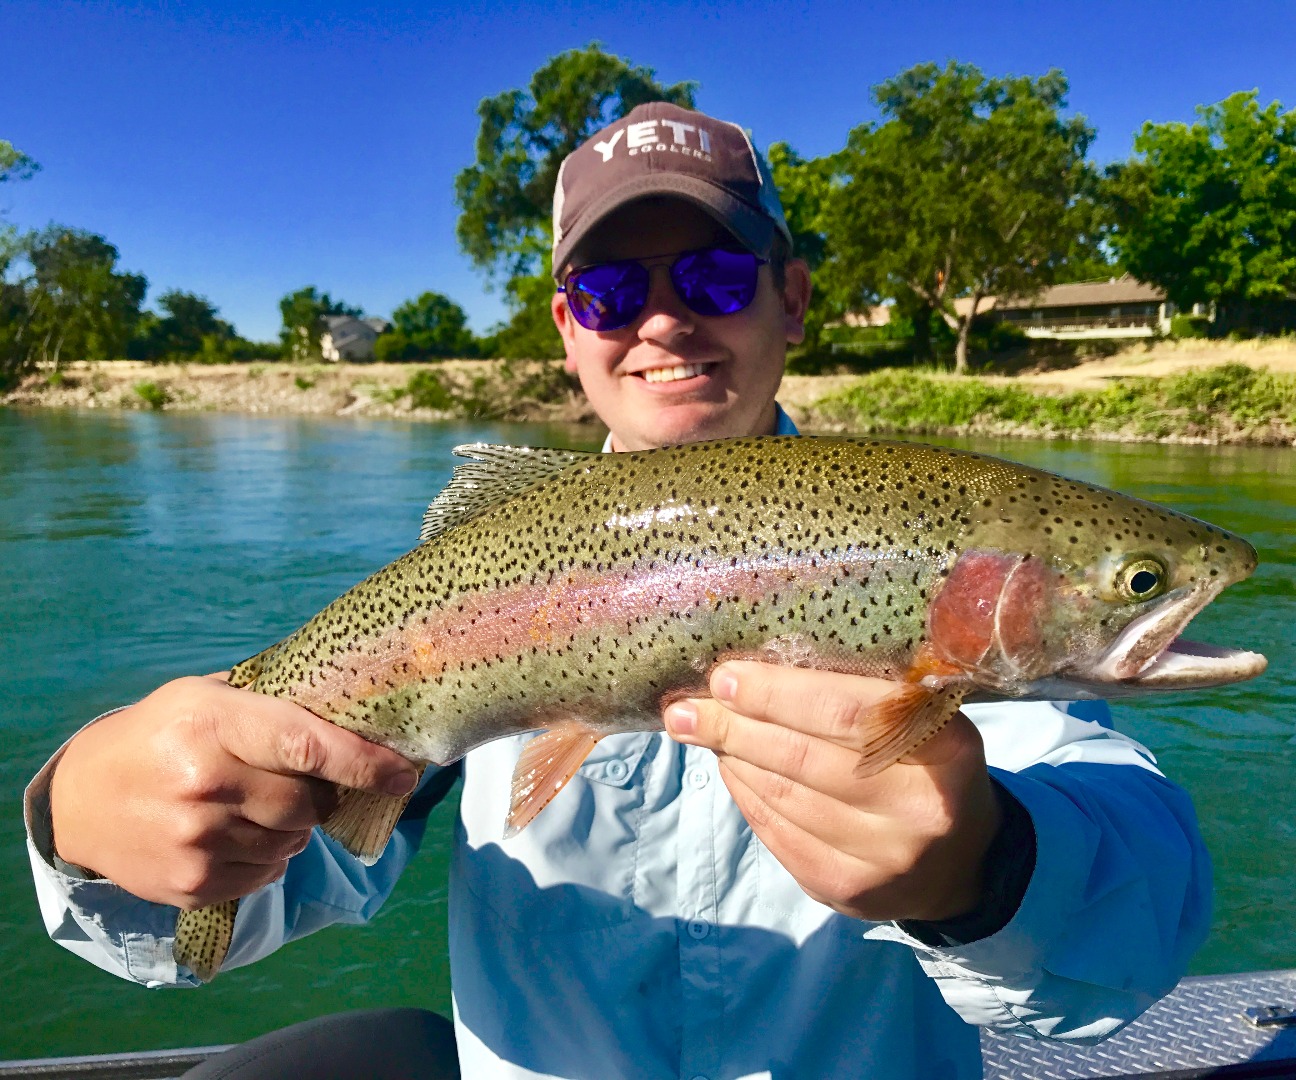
(202, 792)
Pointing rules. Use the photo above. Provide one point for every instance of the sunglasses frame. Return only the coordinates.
(669, 260)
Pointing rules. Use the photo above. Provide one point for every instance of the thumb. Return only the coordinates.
(280, 737)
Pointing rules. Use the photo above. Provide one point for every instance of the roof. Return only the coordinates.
(1122, 290)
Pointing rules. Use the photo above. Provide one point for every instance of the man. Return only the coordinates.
(729, 901)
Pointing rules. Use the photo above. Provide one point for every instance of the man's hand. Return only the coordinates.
(907, 843)
(202, 793)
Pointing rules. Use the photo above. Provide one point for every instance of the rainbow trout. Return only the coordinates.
(577, 594)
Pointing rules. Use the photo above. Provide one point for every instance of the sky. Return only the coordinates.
(243, 151)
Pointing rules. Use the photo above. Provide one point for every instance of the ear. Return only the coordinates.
(796, 299)
(566, 328)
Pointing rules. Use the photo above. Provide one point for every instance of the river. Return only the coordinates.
(137, 547)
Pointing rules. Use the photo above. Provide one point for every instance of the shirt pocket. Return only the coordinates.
(573, 867)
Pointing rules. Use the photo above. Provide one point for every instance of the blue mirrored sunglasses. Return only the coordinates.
(710, 281)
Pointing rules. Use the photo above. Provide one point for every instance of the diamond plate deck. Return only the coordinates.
(1198, 1026)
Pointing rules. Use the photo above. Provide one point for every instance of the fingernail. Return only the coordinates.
(724, 685)
(681, 718)
(402, 783)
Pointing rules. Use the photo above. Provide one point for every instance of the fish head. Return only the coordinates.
(1063, 589)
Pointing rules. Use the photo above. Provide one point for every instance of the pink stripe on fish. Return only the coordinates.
(497, 626)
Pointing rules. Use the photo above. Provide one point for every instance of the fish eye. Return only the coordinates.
(1141, 578)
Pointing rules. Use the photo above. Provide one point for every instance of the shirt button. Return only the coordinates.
(698, 929)
(617, 770)
(700, 1077)
(699, 778)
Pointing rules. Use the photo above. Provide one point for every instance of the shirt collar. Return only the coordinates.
(783, 426)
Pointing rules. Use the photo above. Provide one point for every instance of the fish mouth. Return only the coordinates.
(1150, 655)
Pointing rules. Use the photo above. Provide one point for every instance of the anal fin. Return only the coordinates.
(363, 821)
(907, 717)
(203, 937)
(546, 764)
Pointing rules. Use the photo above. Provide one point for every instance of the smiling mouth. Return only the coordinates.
(674, 374)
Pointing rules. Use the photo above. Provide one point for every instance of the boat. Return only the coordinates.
(1225, 1027)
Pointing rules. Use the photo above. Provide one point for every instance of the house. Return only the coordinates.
(1122, 307)
(344, 337)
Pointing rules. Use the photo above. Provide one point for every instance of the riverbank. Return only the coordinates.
(1187, 391)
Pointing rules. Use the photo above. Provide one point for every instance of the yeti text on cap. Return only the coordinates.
(643, 136)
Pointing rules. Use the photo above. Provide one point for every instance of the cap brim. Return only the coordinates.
(752, 227)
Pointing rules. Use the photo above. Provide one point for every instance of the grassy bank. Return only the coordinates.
(1201, 393)
(1222, 404)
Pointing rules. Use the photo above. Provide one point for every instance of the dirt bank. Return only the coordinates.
(381, 390)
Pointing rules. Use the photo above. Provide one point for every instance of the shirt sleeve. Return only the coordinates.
(133, 938)
(1120, 897)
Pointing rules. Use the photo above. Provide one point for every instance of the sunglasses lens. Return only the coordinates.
(716, 281)
(607, 296)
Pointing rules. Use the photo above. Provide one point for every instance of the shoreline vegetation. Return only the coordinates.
(1234, 392)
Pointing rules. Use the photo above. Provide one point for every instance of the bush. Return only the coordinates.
(1189, 326)
(427, 391)
(995, 336)
(154, 396)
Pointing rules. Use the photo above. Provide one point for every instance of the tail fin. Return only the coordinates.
(203, 938)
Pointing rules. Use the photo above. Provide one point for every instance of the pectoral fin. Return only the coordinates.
(546, 764)
(907, 717)
(203, 937)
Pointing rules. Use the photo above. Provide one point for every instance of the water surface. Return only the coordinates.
(135, 548)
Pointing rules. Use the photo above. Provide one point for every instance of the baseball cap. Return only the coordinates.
(664, 149)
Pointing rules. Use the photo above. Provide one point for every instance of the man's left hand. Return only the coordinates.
(907, 843)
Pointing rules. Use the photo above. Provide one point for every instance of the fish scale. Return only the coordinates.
(579, 594)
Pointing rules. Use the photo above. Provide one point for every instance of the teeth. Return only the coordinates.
(674, 374)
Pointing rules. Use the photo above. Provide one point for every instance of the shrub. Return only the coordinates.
(427, 391)
(154, 396)
(1189, 326)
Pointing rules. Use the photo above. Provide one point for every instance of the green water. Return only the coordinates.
(136, 548)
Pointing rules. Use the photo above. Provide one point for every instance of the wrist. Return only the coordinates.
(1005, 872)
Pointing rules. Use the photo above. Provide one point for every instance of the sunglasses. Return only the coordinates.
(710, 281)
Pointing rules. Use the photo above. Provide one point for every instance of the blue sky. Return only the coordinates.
(242, 151)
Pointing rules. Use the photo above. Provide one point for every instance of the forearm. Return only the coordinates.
(132, 938)
(1119, 901)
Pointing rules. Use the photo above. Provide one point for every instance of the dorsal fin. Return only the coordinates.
(492, 475)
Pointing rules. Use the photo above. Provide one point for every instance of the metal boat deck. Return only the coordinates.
(1200, 1030)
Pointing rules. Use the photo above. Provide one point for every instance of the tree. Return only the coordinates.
(189, 326)
(505, 197)
(78, 302)
(805, 186)
(14, 164)
(971, 187)
(1208, 211)
(431, 326)
(14, 313)
(303, 312)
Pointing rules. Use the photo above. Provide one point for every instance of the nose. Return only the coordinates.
(665, 316)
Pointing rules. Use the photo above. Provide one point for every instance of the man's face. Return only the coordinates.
(715, 377)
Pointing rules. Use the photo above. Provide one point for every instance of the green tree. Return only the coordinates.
(14, 164)
(505, 197)
(303, 312)
(14, 312)
(1207, 211)
(970, 187)
(429, 327)
(805, 187)
(79, 303)
(183, 329)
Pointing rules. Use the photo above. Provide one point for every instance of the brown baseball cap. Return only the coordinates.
(663, 149)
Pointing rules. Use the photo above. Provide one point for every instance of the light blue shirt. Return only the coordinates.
(637, 928)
